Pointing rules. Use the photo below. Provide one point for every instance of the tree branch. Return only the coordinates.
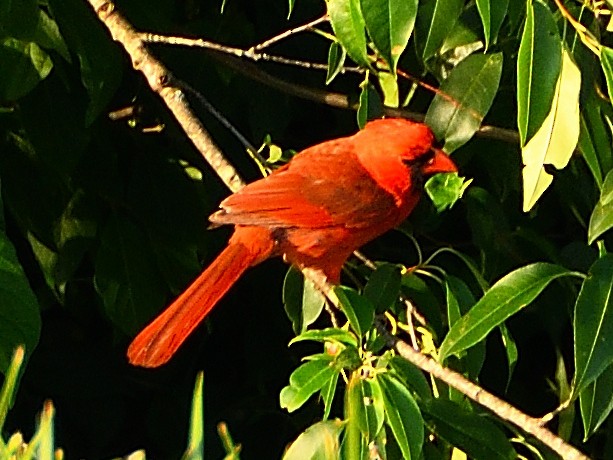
(501, 408)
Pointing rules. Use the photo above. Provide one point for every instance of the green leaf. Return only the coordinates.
(556, 139)
(318, 442)
(349, 28)
(492, 15)
(389, 86)
(22, 66)
(538, 68)
(465, 97)
(370, 412)
(354, 444)
(403, 416)
(357, 308)
(606, 62)
(325, 335)
(370, 105)
(99, 58)
(435, 19)
(508, 296)
(445, 189)
(383, 287)
(302, 300)
(195, 447)
(602, 215)
(126, 276)
(9, 385)
(307, 379)
(587, 147)
(410, 376)
(389, 24)
(336, 60)
(20, 321)
(327, 394)
(475, 435)
(596, 402)
(593, 324)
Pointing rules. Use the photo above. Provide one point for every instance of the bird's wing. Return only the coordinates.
(323, 186)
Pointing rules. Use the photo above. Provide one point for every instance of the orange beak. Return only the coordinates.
(440, 163)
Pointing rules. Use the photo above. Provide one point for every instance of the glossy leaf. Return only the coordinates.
(389, 86)
(354, 444)
(383, 287)
(389, 24)
(306, 380)
(370, 412)
(349, 28)
(465, 97)
(403, 416)
(328, 334)
(410, 376)
(327, 394)
(596, 402)
(475, 435)
(492, 14)
(370, 106)
(435, 19)
(556, 139)
(505, 298)
(22, 66)
(602, 215)
(538, 68)
(587, 147)
(336, 60)
(606, 61)
(302, 300)
(593, 324)
(360, 312)
(318, 442)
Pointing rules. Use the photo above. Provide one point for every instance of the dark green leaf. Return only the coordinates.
(369, 407)
(370, 106)
(358, 309)
(468, 95)
(303, 301)
(309, 378)
(593, 324)
(327, 394)
(435, 19)
(22, 66)
(475, 435)
(383, 287)
(318, 442)
(403, 416)
(126, 276)
(596, 402)
(20, 321)
(389, 24)
(336, 60)
(348, 25)
(411, 377)
(602, 216)
(509, 295)
(492, 14)
(538, 68)
(329, 334)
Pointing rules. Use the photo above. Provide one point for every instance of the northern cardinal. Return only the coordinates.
(329, 200)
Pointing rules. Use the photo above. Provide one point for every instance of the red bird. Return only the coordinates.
(329, 200)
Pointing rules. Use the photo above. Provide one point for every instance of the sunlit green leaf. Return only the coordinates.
(538, 68)
(492, 14)
(336, 60)
(370, 411)
(509, 295)
(556, 139)
(403, 416)
(309, 378)
(389, 86)
(329, 334)
(593, 324)
(606, 61)
(349, 28)
(195, 447)
(435, 19)
(357, 308)
(445, 189)
(318, 442)
(302, 300)
(602, 215)
(389, 24)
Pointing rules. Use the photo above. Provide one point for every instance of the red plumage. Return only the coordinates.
(329, 200)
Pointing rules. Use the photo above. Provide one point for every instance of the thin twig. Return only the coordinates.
(166, 86)
(501, 408)
(305, 27)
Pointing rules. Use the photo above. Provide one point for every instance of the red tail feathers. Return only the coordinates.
(159, 341)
